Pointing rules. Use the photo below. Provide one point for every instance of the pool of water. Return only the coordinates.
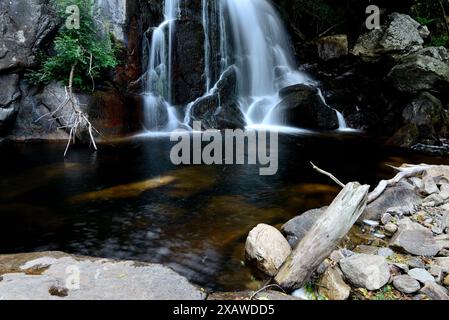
(128, 201)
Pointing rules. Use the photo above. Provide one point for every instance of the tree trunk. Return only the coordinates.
(324, 236)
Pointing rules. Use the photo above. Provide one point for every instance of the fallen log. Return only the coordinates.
(323, 237)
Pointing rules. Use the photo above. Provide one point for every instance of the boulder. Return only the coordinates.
(399, 35)
(415, 239)
(333, 47)
(366, 271)
(406, 284)
(295, 229)
(419, 72)
(426, 112)
(435, 291)
(332, 285)
(45, 276)
(267, 248)
(302, 106)
(405, 137)
(421, 275)
(400, 195)
(220, 109)
(24, 27)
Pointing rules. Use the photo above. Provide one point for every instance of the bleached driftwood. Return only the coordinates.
(324, 236)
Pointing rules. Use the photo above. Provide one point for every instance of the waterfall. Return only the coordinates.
(248, 34)
(159, 114)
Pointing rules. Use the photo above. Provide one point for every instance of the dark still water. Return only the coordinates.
(128, 201)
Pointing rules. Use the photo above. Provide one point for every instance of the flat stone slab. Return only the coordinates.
(57, 276)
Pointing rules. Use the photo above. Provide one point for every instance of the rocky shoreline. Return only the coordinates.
(398, 249)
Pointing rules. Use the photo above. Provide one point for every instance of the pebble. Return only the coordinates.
(385, 252)
(415, 262)
(386, 218)
(406, 284)
(391, 228)
(437, 272)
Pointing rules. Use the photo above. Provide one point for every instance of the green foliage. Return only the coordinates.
(430, 14)
(89, 49)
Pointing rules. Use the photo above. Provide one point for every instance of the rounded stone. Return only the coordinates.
(406, 284)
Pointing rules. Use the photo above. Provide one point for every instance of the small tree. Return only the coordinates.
(82, 52)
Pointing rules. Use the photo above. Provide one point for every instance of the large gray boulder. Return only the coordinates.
(267, 249)
(401, 195)
(415, 239)
(54, 276)
(420, 72)
(24, 26)
(399, 35)
(366, 271)
(296, 229)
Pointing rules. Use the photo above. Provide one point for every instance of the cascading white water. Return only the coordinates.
(248, 34)
(159, 114)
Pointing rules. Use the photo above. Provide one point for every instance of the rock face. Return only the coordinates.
(116, 11)
(415, 239)
(302, 106)
(406, 284)
(267, 248)
(295, 229)
(9, 96)
(220, 109)
(398, 36)
(53, 276)
(366, 271)
(333, 47)
(24, 26)
(332, 285)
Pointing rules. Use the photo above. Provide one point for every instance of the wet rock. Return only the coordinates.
(406, 284)
(435, 291)
(401, 195)
(366, 271)
(332, 285)
(415, 239)
(295, 229)
(399, 35)
(220, 109)
(100, 279)
(24, 27)
(9, 96)
(267, 248)
(405, 137)
(443, 262)
(301, 106)
(333, 47)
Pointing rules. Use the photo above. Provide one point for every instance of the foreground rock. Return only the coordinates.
(332, 285)
(406, 284)
(366, 271)
(267, 248)
(295, 229)
(415, 239)
(53, 276)
(435, 291)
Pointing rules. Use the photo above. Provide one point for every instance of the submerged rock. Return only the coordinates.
(267, 248)
(415, 239)
(332, 285)
(9, 95)
(366, 271)
(406, 284)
